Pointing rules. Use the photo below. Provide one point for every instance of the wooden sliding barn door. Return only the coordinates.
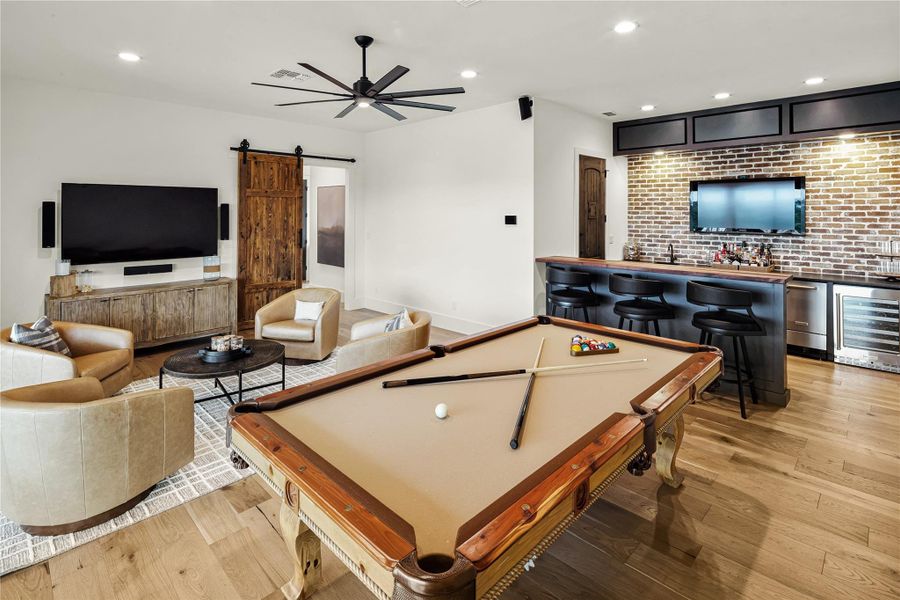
(270, 220)
(591, 207)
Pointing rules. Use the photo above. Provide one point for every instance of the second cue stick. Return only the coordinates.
(520, 421)
(509, 372)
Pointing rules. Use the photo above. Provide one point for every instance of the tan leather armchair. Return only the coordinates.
(308, 340)
(369, 342)
(106, 353)
(71, 458)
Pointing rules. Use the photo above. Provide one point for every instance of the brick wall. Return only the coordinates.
(852, 200)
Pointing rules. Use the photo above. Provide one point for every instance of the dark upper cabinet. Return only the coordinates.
(738, 124)
(862, 110)
(652, 135)
(855, 110)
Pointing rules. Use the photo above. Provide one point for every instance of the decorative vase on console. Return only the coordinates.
(631, 251)
(212, 267)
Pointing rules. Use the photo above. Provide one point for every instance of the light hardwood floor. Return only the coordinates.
(802, 502)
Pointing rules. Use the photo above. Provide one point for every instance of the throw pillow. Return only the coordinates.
(42, 334)
(308, 311)
(401, 320)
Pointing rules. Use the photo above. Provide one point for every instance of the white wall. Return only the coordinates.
(54, 134)
(425, 207)
(436, 195)
(560, 135)
(317, 274)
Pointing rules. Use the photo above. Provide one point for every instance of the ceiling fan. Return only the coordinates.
(364, 93)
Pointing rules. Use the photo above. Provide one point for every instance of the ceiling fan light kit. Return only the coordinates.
(363, 93)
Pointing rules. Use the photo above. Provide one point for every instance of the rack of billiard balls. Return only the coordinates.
(582, 346)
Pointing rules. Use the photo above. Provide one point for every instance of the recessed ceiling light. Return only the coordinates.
(847, 136)
(814, 80)
(647, 107)
(129, 56)
(722, 95)
(363, 102)
(625, 27)
(468, 74)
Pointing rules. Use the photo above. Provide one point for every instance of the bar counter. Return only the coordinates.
(768, 354)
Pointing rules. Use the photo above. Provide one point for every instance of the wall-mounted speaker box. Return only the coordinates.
(148, 269)
(48, 224)
(223, 222)
(525, 104)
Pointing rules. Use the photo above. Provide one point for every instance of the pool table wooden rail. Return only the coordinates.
(493, 547)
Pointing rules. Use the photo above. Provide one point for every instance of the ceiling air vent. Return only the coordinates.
(285, 74)
(609, 113)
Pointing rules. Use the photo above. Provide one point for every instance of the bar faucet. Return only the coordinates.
(671, 251)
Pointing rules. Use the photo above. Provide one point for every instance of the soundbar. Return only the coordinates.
(148, 269)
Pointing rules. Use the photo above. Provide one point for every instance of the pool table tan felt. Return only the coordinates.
(424, 507)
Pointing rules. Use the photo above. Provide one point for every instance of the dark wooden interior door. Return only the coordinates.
(270, 219)
(591, 207)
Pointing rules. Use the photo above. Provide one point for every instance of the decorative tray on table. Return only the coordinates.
(213, 356)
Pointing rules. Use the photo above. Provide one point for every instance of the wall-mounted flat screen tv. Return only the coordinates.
(775, 205)
(123, 223)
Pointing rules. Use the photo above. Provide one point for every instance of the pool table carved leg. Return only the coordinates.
(306, 552)
(668, 443)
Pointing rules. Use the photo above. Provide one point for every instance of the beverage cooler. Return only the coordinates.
(867, 327)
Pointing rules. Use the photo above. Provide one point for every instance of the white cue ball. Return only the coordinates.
(440, 411)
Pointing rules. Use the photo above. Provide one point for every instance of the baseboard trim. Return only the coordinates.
(437, 319)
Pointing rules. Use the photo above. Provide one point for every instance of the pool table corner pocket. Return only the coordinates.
(434, 577)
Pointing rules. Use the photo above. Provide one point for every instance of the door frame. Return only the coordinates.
(576, 200)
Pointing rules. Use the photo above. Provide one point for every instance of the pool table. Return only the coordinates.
(421, 507)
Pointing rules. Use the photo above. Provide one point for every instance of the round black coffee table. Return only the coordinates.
(188, 364)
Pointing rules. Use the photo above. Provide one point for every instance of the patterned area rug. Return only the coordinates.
(210, 470)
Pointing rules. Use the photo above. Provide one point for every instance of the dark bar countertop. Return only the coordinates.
(676, 269)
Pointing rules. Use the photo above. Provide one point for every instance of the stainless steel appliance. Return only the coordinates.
(807, 314)
(867, 327)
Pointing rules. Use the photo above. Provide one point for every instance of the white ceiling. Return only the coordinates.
(206, 53)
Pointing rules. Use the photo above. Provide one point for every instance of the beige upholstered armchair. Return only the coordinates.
(71, 458)
(369, 342)
(106, 353)
(304, 339)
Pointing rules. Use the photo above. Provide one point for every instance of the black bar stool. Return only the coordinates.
(639, 308)
(573, 291)
(728, 323)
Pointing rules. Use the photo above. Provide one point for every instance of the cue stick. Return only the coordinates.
(467, 376)
(520, 420)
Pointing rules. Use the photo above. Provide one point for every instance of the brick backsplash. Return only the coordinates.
(852, 200)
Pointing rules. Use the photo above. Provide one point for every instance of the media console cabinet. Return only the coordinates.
(156, 314)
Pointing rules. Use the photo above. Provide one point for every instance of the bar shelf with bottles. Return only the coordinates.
(757, 257)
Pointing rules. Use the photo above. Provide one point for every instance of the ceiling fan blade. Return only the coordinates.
(388, 111)
(287, 87)
(323, 75)
(417, 93)
(346, 111)
(389, 78)
(313, 102)
(443, 107)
